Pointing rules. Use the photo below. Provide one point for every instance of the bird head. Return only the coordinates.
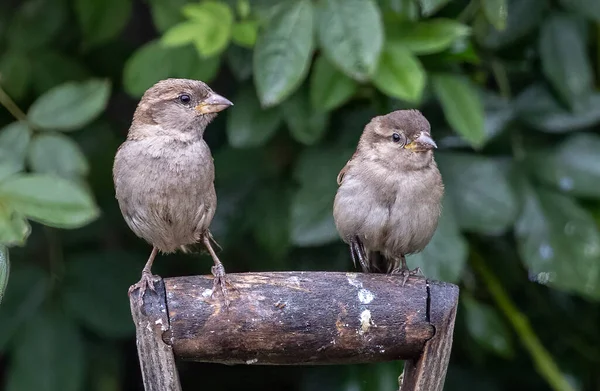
(400, 136)
(180, 106)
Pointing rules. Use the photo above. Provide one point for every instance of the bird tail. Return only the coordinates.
(199, 247)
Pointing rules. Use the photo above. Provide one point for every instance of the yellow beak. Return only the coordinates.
(213, 104)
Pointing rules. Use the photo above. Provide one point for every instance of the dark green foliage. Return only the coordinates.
(510, 89)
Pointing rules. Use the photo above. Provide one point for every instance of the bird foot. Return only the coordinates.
(405, 273)
(220, 281)
(147, 281)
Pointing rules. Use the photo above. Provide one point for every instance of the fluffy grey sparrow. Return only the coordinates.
(164, 172)
(389, 198)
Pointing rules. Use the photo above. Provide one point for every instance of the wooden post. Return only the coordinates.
(296, 318)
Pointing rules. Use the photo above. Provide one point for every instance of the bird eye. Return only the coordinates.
(396, 137)
(184, 98)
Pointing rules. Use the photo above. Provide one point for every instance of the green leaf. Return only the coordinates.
(71, 105)
(36, 23)
(351, 35)
(85, 286)
(482, 198)
(239, 61)
(487, 327)
(400, 74)
(270, 216)
(523, 18)
(573, 166)
(52, 344)
(4, 270)
(14, 229)
(496, 12)
(306, 125)
(279, 66)
(586, 8)
(558, 241)
(208, 27)
(429, 7)
(24, 295)
(166, 13)
(14, 141)
(312, 204)
(537, 108)
(329, 88)
(15, 74)
(54, 153)
(563, 53)
(462, 106)
(250, 125)
(445, 256)
(245, 33)
(102, 20)
(181, 62)
(50, 200)
(427, 37)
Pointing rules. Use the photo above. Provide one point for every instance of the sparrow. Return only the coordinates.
(389, 193)
(164, 172)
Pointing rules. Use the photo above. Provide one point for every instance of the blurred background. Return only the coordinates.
(510, 89)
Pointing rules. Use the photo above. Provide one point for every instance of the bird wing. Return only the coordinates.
(340, 176)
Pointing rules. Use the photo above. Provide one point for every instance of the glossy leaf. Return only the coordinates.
(279, 68)
(445, 256)
(572, 167)
(36, 23)
(329, 88)
(166, 13)
(250, 125)
(54, 153)
(427, 37)
(523, 18)
(14, 141)
(52, 344)
(351, 43)
(182, 62)
(496, 12)
(70, 106)
(4, 270)
(487, 327)
(563, 53)
(239, 61)
(482, 198)
(400, 74)
(558, 241)
(462, 106)
(84, 287)
(306, 125)
(14, 228)
(52, 68)
(15, 73)
(312, 205)
(538, 108)
(429, 7)
(102, 20)
(26, 291)
(50, 200)
(586, 8)
(245, 33)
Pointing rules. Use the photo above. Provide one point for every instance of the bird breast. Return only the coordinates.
(392, 212)
(165, 190)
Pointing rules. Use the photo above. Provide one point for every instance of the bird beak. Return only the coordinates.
(422, 143)
(213, 104)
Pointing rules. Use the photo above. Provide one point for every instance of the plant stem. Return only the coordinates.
(469, 12)
(544, 363)
(501, 78)
(11, 106)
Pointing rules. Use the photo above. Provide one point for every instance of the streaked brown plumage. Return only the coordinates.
(389, 198)
(164, 171)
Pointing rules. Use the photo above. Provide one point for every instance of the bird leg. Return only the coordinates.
(403, 269)
(357, 250)
(147, 278)
(218, 270)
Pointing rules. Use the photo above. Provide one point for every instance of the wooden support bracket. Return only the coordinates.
(296, 318)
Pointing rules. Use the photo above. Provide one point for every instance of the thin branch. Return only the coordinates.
(11, 106)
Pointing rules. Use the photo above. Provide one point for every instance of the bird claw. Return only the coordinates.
(147, 281)
(220, 281)
(406, 273)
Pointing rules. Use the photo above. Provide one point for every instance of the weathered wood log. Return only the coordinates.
(295, 318)
(156, 357)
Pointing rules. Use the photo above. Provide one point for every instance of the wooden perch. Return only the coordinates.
(295, 318)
